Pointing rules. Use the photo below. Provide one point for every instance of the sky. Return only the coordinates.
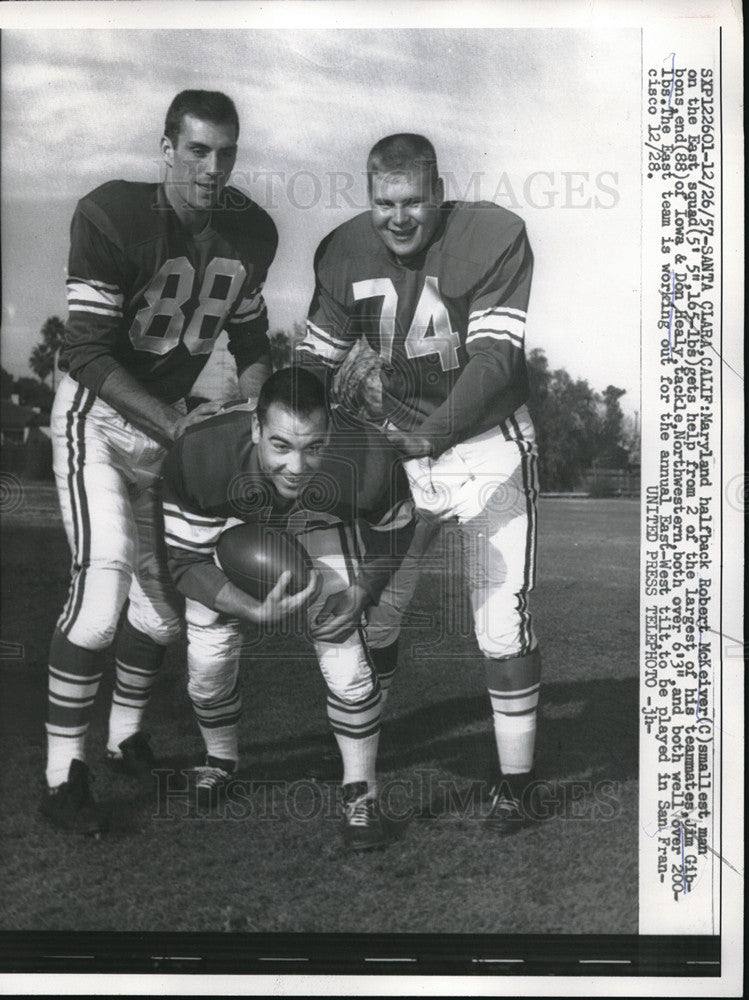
(544, 122)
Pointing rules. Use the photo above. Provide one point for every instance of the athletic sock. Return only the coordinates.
(513, 686)
(385, 661)
(516, 740)
(222, 743)
(138, 659)
(357, 731)
(74, 676)
(219, 723)
(359, 758)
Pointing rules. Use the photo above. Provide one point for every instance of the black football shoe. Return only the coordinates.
(510, 801)
(362, 828)
(134, 758)
(209, 782)
(72, 808)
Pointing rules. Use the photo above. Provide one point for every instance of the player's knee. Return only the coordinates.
(198, 615)
(207, 690)
(353, 691)
(93, 635)
(379, 636)
(498, 643)
(97, 596)
(162, 626)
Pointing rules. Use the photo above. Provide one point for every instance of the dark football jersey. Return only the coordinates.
(211, 474)
(447, 323)
(146, 294)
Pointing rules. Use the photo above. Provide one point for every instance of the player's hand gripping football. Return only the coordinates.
(341, 615)
(279, 605)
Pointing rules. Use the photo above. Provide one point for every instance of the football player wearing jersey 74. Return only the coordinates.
(439, 289)
(156, 272)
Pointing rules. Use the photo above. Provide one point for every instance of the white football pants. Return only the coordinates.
(106, 472)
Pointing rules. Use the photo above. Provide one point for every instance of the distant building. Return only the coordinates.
(16, 421)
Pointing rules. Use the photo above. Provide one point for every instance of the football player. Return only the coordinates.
(267, 466)
(440, 290)
(156, 271)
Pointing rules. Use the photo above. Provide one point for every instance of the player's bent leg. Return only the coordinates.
(513, 684)
(74, 675)
(214, 644)
(137, 662)
(153, 623)
(354, 697)
(95, 510)
(385, 619)
(354, 707)
(499, 547)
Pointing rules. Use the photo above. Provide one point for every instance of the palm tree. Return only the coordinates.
(43, 359)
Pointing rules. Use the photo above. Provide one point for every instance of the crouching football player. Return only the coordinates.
(266, 467)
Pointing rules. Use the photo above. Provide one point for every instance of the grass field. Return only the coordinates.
(267, 867)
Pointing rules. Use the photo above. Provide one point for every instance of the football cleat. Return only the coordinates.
(507, 813)
(210, 780)
(72, 808)
(363, 829)
(134, 758)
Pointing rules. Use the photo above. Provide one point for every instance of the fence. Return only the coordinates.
(611, 483)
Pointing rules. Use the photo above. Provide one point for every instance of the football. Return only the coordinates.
(253, 556)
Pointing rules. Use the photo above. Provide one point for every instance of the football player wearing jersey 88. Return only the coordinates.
(156, 271)
(439, 289)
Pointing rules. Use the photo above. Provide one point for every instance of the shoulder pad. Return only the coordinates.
(122, 210)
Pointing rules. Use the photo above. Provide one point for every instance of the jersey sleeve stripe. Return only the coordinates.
(251, 306)
(97, 310)
(92, 294)
(199, 534)
(491, 335)
(174, 511)
(239, 319)
(497, 324)
(91, 282)
(184, 534)
(310, 352)
(328, 349)
(177, 542)
(318, 333)
(497, 311)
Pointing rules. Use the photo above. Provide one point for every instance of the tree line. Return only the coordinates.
(577, 428)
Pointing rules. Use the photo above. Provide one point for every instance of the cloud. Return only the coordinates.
(84, 106)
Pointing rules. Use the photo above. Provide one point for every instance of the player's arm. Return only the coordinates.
(248, 341)
(251, 378)
(494, 382)
(386, 537)
(329, 334)
(247, 325)
(385, 541)
(125, 394)
(97, 270)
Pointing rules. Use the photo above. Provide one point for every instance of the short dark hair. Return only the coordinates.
(207, 105)
(401, 152)
(296, 390)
